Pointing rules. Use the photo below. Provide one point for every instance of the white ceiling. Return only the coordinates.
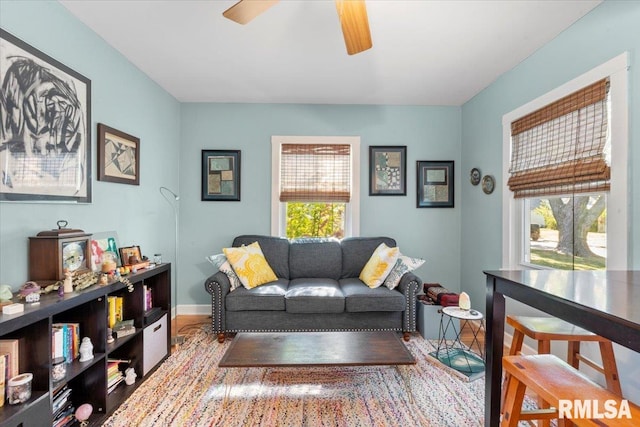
(425, 52)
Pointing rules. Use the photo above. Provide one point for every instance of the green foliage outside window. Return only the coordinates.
(315, 220)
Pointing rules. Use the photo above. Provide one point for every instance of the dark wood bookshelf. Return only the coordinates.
(87, 380)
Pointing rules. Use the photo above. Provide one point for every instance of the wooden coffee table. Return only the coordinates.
(269, 349)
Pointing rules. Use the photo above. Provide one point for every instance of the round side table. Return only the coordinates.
(453, 352)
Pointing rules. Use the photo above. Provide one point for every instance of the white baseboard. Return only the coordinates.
(192, 309)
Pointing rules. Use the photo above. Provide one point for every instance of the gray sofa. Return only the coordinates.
(317, 290)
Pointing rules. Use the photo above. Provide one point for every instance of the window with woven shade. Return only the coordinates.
(315, 173)
(564, 147)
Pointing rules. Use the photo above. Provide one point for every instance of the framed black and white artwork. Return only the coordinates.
(45, 131)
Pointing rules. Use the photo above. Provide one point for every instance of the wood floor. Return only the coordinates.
(188, 324)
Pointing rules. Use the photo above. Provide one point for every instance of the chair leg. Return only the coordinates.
(516, 346)
(610, 367)
(544, 347)
(513, 403)
(573, 350)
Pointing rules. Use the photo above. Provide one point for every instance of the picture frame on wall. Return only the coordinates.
(220, 175)
(435, 182)
(118, 156)
(388, 170)
(45, 140)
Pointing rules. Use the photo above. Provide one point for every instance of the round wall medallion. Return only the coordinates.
(474, 176)
(488, 184)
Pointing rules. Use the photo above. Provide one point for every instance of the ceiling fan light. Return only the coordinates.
(355, 25)
(245, 10)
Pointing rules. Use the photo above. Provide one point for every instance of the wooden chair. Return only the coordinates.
(553, 380)
(547, 329)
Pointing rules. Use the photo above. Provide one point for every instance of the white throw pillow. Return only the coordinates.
(403, 265)
(220, 262)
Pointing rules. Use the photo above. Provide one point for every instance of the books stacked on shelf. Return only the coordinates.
(65, 341)
(63, 408)
(9, 368)
(116, 310)
(124, 328)
(114, 376)
(148, 297)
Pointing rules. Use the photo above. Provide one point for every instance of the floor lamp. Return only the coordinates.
(173, 201)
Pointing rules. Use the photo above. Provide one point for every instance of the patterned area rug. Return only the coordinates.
(189, 389)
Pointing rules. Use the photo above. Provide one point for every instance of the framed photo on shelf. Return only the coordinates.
(435, 184)
(104, 245)
(388, 170)
(118, 156)
(46, 136)
(130, 255)
(220, 175)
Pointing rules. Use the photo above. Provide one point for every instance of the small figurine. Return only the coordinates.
(464, 302)
(104, 279)
(130, 376)
(83, 413)
(86, 349)
(110, 338)
(68, 281)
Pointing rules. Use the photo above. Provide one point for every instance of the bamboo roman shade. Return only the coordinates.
(563, 147)
(315, 173)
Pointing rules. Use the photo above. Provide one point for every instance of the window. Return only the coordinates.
(315, 186)
(565, 156)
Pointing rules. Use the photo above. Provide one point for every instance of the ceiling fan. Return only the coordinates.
(352, 14)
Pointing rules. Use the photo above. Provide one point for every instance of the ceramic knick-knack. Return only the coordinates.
(130, 376)
(86, 349)
(68, 282)
(464, 302)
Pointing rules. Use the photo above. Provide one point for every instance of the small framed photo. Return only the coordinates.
(118, 156)
(435, 184)
(130, 255)
(388, 170)
(220, 175)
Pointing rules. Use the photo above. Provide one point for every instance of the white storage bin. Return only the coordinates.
(155, 344)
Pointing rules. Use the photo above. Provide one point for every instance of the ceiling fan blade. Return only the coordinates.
(245, 10)
(355, 25)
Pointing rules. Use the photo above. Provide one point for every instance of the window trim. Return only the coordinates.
(278, 209)
(513, 212)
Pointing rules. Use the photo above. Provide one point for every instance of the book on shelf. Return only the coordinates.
(119, 309)
(111, 310)
(148, 297)
(65, 341)
(12, 348)
(60, 398)
(124, 328)
(112, 386)
(4, 360)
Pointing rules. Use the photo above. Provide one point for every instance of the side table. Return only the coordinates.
(454, 353)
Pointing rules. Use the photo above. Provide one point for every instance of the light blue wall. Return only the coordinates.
(610, 29)
(122, 97)
(430, 133)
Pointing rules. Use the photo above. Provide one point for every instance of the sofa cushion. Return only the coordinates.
(268, 297)
(315, 258)
(250, 265)
(220, 262)
(379, 265)
(275, 250)
(356, 251)
(314, 295)
(360, 298)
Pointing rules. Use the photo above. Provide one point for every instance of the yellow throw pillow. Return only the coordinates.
(379, 265)
(250, 265)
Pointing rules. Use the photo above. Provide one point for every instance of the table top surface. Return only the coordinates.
(459, 313)
(614, 293)
(272, 349)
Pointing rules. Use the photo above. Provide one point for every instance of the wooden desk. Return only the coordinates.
(604, 302)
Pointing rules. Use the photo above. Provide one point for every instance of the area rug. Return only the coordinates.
(189, 389)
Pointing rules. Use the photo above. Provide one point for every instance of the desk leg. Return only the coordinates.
(493, 349)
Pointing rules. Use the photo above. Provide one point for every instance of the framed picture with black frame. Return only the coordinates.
(435, 183)
(118, 156)
(388, 170)
(45, 141)
(220, 175)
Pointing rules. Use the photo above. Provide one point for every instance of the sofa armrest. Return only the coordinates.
(409, 285)
(218, 286)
